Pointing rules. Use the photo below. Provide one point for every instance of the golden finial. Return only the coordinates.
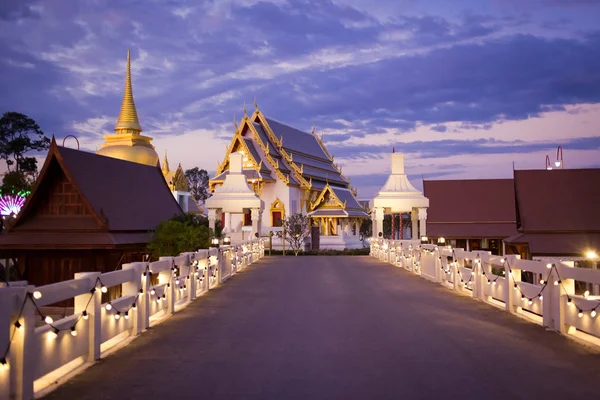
(165, 166)
(235, 122)
(128, 121)
(255, 104)
(245, 113)
(314, 129)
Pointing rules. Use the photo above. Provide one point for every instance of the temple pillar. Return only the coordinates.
(401, 235)
(227, 227)
(378, 222)
(393, 226)
(415, 224)
(212, 217)
(347, 227)
(256, 217)
(423, 221)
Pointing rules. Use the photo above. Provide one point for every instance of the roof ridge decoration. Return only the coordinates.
(128, 122)
(320, 141)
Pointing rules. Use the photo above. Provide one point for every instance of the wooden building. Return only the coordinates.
(88, 212)
(557, 215)
(471, 214)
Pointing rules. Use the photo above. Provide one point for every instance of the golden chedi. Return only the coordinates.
(127, 143)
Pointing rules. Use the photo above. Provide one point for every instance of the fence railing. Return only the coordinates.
(550, 300)
(36, 357)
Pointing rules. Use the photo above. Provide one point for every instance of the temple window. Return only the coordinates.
(277, 213)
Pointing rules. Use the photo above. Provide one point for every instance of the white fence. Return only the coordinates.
(38, 356)
(550, 301)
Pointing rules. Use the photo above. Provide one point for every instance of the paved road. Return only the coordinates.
(340, 328)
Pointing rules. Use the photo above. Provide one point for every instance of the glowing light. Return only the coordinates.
(108, 307)
(541, 281)
(530, 302)
(37, 295)
(84, 315)
(48, 320)
(586, 293)
(593, 313)
(73, 332)
(117, 315)
(53, 334)
(3, 363)
(591, 254)
(580, 314)
(12, 203)
(152, 292)
(548, 265)
(18, 325)
(103, 289)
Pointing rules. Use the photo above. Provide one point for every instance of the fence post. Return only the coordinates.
(193, 271)
(167, 277)
(94, 313)
(145, 303)
(551, 299)
(564, 289)
(17, 381)
(132, 288)
(513, 276)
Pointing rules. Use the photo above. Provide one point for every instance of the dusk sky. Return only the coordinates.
(464, 88)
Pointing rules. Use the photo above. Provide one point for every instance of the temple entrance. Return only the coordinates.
(315, 236)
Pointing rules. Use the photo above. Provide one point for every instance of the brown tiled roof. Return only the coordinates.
(558, 200)
(122, 195)
(479, 208)
(557, 244)
(132, 196)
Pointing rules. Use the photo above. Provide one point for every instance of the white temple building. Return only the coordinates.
(291, 172)
(398, 195)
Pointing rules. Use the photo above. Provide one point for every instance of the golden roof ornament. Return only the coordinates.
(165, 166)
(245, 112)
(128, 121)
(256, 105)
(235, 122)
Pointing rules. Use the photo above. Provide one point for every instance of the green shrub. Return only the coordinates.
(178, 235)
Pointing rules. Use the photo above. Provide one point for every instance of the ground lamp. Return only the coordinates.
(226, 240)
(214, 242)
(441, 240)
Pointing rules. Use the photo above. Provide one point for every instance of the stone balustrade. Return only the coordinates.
(496, 280)
(38, 357)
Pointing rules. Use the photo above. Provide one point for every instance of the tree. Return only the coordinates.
(296, 228)
(366, 228)
(178, 235)
(198, 183)
(20, 135)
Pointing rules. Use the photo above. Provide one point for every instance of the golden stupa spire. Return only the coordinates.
(165, 166)
(128, 122)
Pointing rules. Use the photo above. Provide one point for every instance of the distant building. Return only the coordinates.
(87, 213)
(471, 214)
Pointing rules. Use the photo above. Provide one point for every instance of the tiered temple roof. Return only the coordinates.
(275, 150)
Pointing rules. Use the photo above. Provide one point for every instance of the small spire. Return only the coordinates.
(245, 113)
(165, 166)
(255, 104)
(128, 119)
(314, 129)
(235, 122)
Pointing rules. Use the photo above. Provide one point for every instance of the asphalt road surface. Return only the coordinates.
(332, 327)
